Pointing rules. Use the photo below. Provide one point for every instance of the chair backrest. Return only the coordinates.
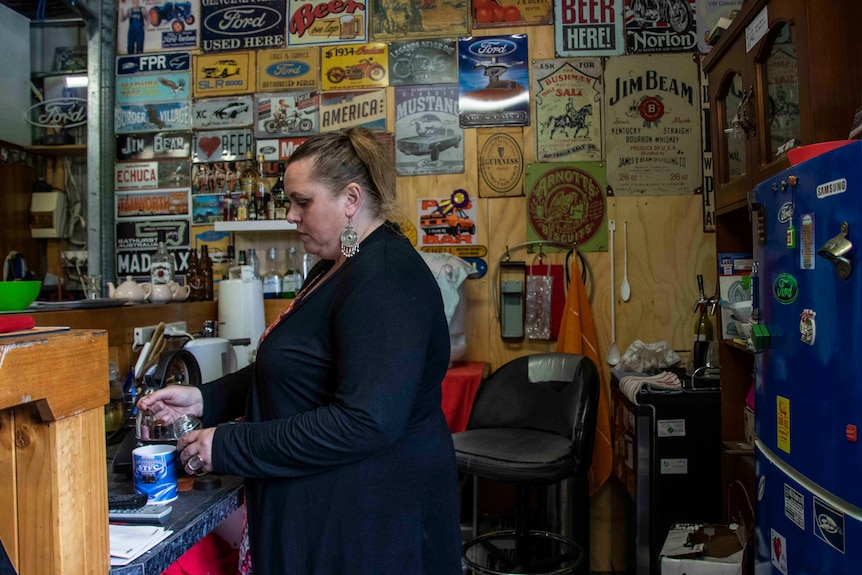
(552, 392)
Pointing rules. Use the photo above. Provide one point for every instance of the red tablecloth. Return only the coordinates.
(459, 390)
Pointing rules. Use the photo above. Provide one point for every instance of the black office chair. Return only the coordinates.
(533, 422)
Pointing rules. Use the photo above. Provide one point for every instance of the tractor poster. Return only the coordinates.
(157, 25)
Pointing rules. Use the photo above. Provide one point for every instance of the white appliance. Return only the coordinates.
(215, 355)
(240, 312)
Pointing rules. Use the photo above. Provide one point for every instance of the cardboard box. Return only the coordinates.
(696, 549)
(734, 286)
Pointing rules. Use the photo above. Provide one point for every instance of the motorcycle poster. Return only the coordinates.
(157, 25)
(323, 22)
(568, 96)
(225, 112)
(223, 74)
(252, 25)
(494, 81)
(355, 67)
(652, 123)
(588, 28)
(342, 110)
(400, 19)
(654, 26)
(286, 114)
(288, 69)
(428, 138)
(423, 62)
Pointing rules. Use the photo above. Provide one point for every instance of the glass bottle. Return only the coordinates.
(227, 214)
(206, 269)
(243, 260)
(193, 277)
(247, 176)
(254, 262)
(242, 208)
(161, 262)
(279, 199)
(272, 281)
(262, 187)
(293, 275)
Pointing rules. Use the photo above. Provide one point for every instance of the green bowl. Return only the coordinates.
(18, 295)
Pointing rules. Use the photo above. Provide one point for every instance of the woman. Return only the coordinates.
(348, 462)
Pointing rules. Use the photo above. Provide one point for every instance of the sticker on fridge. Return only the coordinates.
(157, 25)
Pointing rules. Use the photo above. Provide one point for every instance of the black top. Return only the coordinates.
(348, 461)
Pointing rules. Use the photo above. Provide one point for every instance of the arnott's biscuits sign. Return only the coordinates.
(501, 163)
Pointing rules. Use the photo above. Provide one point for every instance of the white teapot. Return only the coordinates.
(129, 290)
(158, 293)
(179, 292)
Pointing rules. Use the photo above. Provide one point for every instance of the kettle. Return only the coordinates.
(129, 290)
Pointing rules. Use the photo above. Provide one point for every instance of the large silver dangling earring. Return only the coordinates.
(349, 240)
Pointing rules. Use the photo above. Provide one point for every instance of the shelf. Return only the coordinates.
(70, 150)
(54, 74)
(254, 226)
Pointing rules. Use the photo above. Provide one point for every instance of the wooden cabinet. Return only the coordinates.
(784, 74)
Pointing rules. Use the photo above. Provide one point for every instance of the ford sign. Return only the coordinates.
(59, 113)
(493, 48)
(288, 69)
(240, 21)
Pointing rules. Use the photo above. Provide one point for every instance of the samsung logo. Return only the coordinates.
(241, 21)
(831, 188)
(493, 48)
(288, 69)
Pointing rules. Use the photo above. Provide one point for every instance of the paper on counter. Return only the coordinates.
(129, 542)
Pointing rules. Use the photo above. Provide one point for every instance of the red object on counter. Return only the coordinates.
(802, 153)
(16, 322)
(459, 390)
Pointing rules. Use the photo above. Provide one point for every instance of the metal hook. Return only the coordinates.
(541, 254)
(506, 256)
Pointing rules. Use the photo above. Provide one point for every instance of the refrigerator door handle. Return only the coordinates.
(835, 251)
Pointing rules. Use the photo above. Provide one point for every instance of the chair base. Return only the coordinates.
(536, 553)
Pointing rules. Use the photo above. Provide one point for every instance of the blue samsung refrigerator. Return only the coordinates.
(807, 224)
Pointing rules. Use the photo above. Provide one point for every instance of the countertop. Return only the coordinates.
(195, 513)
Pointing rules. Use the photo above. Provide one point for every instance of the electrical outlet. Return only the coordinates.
(143, 334)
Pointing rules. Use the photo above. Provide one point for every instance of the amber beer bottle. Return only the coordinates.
(206, 272)
(193, 277)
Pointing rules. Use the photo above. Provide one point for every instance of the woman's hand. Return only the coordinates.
(195, 449)
(172, 401)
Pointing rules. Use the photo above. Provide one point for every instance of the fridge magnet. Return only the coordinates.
(566, 203)
(588, 28)
(278, 150)
(286, 114)
(157, 25)
(153, 146)
(652, 125)
(661, 26)
(288, 69)
(153, 203)
(221, 145)
(131, 118)
(152, 88)
(505, 13)
(807, 326)
(501, 162)
(153, 174)
(341, 110)
(227, 112)
(317, 22)
(447, 221)
(423, 62)
(568, 96)
(355, 67)
(223, 74)
(400, 19)
(254, 25)
(493, 81)
(152, 64)
(428, 138)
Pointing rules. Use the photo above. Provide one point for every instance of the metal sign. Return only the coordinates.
(157, 25)
(156, 117)
(341, 110)
(278, 150)
(153, 146)
(494, 81)
(153, 203)
(428, 139)
(221, 145)
(588, 28)
(227, 112)
(250, 25)
(286, 114)
(59, 113)
(423, 62)
(152, 63)
(288, 69)
(151, 175)
(150, 88)
(316, 22)
(355, 67)
(223, 74)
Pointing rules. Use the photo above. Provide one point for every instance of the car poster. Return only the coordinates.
(568, 95)
(494, 81)
(447, 221)
(423, 62)
(400, 19)
(288, 69)
(136, 243)
(223, 74)
(223, 145)
(150, 88)
(153, 63)
(153, 203)
(156, 117)
(286, 114)
(227, 112)
(277, 150)
(355, 67)
(566, 204)
(652, 123)
(667, 26)
(216, 177)
(157, 25)
(588, 28)
(341, 110)
(153, 174)
(228, 26)
(501, 162)
(317, 22)
(507, 13)
(428, 139)
(153, 146)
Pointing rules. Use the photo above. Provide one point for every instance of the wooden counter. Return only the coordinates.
(53, 488)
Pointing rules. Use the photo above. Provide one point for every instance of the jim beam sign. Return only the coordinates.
(589, 27)
(501, 162)
(652, 125)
